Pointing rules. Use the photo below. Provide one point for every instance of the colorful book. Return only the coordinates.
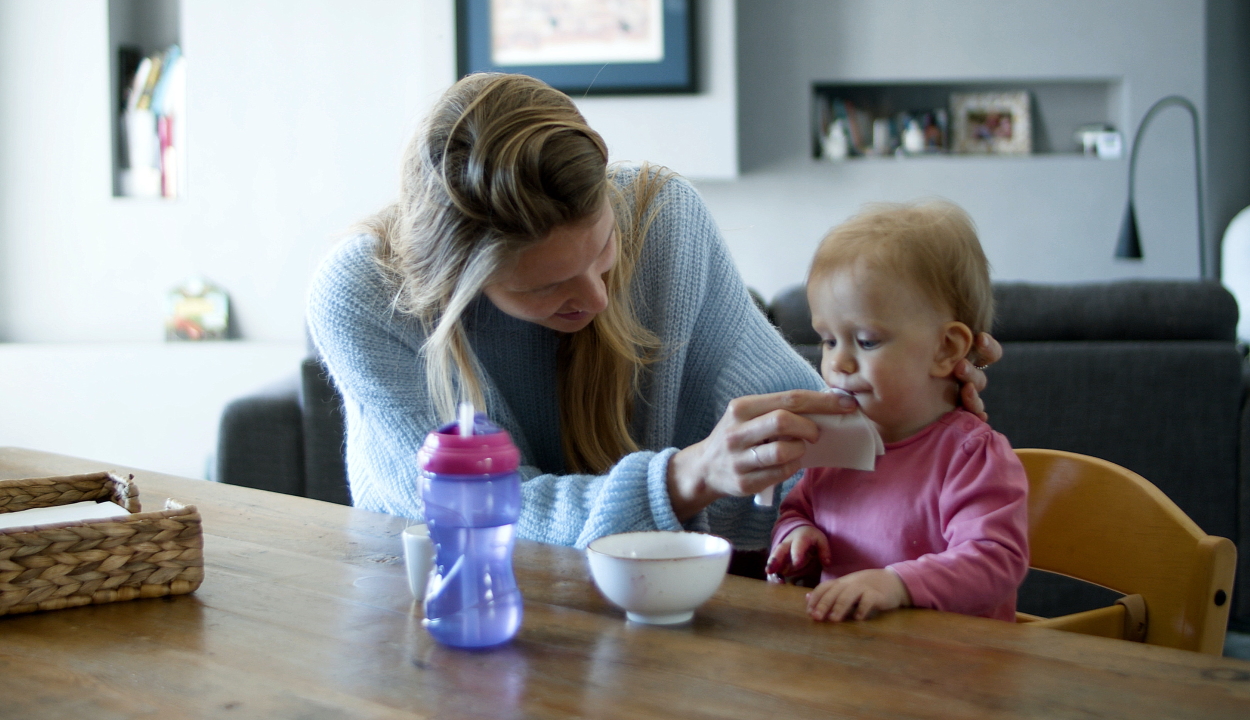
(149, 83)
(171, 58)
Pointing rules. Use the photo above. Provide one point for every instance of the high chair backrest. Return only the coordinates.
(1098, 522)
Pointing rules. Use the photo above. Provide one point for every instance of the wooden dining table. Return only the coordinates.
(305, 612)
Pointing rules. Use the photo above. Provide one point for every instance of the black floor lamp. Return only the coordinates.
(1129, 245)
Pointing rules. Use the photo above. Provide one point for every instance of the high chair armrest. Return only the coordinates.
(1105, 622)
(1126, 620)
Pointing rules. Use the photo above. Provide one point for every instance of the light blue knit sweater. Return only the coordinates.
(716, 346)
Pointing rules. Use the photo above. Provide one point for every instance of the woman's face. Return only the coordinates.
(557, 282)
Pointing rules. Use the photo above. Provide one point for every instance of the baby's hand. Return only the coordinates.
(866, 592)
(794, 553)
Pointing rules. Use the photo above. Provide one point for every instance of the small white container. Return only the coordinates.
(418, 558)
(658, 577)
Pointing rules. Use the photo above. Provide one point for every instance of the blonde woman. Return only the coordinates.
(593, 312)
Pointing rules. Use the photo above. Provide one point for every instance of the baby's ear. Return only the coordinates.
(953, 346)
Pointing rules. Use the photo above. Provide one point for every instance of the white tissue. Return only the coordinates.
(846, 441)
(86, 510)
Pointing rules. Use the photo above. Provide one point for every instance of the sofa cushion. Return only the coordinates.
(259, 442)
(323, 432)
(1119, 310)
(1169, 411)
(789, 311)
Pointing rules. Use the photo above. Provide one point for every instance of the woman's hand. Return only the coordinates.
(758, 442)
(972, 378)
(794, 553)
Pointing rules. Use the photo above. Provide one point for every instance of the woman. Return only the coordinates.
(593, 313)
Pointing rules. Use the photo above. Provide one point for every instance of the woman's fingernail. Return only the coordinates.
(846, 402)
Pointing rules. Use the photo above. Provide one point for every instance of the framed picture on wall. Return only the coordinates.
(583, 47)
(996, 123)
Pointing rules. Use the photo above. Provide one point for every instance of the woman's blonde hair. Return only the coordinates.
(499, 163)
(931, 244)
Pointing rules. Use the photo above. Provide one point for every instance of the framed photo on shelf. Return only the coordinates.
(582, 47)
(995, 123)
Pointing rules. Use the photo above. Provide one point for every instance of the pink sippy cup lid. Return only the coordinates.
(488, 451)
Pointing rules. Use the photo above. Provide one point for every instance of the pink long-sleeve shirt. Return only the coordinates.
(946, 509)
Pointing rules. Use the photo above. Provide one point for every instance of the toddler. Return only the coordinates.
(897, 294)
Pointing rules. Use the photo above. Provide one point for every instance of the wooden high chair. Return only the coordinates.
(1101, 523)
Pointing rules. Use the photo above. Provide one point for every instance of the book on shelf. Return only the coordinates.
(144, 101)
(153, 112)
(160, 89)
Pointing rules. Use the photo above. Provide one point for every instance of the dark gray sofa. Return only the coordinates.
(287, 438)
(1146, 374)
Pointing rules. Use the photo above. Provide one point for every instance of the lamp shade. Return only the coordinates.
(1129, 245)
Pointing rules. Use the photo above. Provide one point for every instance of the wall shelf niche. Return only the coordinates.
(147, 75)
(1057, 108)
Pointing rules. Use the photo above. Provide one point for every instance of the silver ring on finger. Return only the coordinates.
(758, 463)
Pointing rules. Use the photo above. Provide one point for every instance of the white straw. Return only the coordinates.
(465, 419)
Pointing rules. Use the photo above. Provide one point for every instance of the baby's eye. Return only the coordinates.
(868, 343)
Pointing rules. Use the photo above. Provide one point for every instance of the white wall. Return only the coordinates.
(697, 135)
(299, 109)
(1048, 219)
(297, 113)
(148, 405)
(1228, 115)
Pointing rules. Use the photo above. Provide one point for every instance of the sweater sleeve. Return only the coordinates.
(373, 354)
(984, 515)
(576, 509)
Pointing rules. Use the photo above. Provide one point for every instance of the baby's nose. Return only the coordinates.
(844, 362)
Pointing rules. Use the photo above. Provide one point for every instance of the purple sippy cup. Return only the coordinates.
(472, 494)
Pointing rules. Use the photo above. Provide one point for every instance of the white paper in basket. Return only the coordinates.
(73, 512)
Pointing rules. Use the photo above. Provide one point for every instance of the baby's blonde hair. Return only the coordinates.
(931, 244)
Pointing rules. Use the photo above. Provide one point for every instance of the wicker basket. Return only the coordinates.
(67, 564)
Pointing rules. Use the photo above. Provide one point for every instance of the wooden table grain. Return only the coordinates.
(305, 613)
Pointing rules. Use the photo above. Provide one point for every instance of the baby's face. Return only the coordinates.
(882, 339)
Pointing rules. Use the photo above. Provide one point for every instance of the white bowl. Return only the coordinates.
(658, 577)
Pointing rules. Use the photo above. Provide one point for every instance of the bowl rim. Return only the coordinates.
(728, 546)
